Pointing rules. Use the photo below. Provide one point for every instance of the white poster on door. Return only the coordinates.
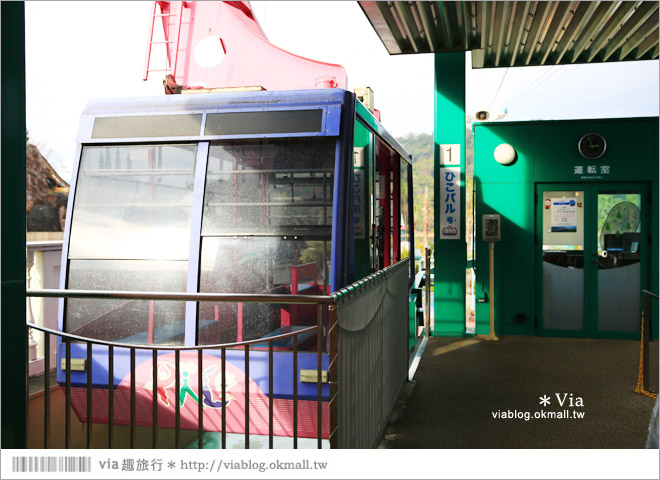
(563, 215)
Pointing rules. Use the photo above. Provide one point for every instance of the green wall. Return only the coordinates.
(508, 191)
(628, 150)
(547, 152)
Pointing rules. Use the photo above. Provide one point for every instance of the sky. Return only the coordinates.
(77, 51)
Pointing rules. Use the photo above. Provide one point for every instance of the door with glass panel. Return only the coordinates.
(590, 259)
(619, 263)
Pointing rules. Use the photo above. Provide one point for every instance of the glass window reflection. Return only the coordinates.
(133, 202)
(274, 185)
(405, 211)
(259, 265)
(127, 321)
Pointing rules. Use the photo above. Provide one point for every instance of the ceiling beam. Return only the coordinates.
(562, 16)
(520, 19)
(641, 14)
(648, 44)
(574, 29)
(544, 29)
(625, 10)
(485, 22)
(502, 22)
(639, 36)
(417, 21)
(424, 10)
(492, 29)
(447, 24)
(382, 23)
(519, 33)
(603, 11)
(656, 49)
(402, 24)
(454, 16)
(467, 16)
(538, 27)
(408, 24)
(508, 30)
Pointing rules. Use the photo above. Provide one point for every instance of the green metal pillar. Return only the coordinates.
(450, 253)
(12, 149)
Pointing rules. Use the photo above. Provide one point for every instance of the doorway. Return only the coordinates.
(591, 260)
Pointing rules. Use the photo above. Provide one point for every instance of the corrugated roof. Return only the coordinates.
(512, 34)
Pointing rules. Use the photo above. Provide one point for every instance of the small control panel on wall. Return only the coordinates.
(491, 228)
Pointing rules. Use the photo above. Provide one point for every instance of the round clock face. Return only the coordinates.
(592, 145)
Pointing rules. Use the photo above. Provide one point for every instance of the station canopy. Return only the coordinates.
(516, 34)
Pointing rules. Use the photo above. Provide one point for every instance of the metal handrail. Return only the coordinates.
(77, 338)
(367, 281)
(182, 296)
(220, 297)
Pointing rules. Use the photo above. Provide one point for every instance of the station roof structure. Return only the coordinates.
(515, 34)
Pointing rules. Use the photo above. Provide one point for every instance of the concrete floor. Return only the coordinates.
(460, 384)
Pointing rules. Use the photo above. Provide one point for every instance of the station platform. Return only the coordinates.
(473, 394)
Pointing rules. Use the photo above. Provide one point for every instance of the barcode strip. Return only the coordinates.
(51, 464)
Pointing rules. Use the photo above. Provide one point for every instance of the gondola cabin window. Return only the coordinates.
(131, 231)
(266, 228)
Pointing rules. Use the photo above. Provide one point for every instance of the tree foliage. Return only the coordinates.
(420, 146)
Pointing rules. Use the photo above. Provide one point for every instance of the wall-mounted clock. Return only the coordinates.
(592, 145)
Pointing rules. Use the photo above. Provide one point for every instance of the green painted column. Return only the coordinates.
(12, 146)
(450, 253)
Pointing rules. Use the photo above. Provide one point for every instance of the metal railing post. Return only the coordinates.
(46, 389)
(646, 319)
(177, 398)
(28, 331)
(224, 397)
(154, 400)
(111, 394)
(271, 386)
(334, 382)
(67, 400)
(133, 399)
(89, 395)
(247, 396)
(295, 392)
(427, 284)
(200, 400)
(319, 378)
